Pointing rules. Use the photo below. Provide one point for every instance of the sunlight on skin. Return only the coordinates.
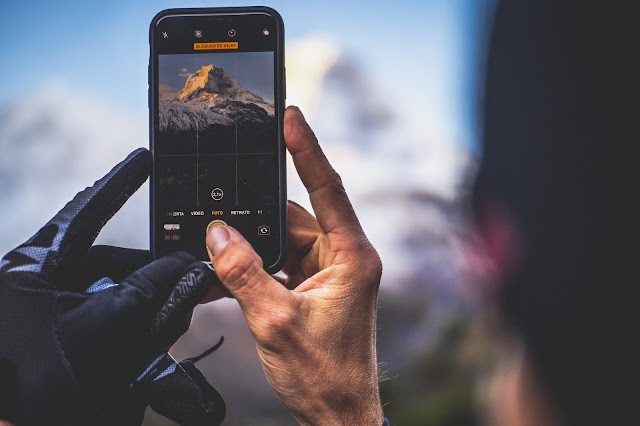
(515, 395)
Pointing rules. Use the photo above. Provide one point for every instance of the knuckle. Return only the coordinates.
(332, 182)
(376, 263)
(370, 266)
(337, 184)
(279, 326)
(280, 320)
(238, 269)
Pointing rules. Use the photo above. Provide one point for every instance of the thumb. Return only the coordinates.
(153, 283)
(240, 270)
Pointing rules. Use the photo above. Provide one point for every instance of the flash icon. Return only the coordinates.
(198, 34)
(165, 35)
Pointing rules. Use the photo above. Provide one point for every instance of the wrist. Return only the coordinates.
(359, 404)
(360, 414)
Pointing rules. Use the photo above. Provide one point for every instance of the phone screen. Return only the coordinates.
(217, 131)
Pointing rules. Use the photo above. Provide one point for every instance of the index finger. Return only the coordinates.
(326, 192)
(74, 228)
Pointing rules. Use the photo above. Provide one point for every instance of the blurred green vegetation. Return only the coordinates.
(435, 387)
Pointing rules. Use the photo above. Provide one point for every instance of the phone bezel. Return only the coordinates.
(280, 95)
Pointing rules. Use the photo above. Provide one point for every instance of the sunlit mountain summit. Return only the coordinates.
(210, 98)
(210, 83)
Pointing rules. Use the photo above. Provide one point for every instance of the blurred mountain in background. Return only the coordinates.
(405, 186)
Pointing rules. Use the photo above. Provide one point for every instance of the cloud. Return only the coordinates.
(68, 140)
(184, 73)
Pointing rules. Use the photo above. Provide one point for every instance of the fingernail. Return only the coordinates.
(218, 239)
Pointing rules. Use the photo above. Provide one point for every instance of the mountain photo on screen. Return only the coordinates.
(216, 103)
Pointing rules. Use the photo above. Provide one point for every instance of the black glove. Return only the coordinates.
(76, 354)
(8, 389)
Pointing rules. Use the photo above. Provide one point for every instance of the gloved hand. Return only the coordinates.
(75, 353)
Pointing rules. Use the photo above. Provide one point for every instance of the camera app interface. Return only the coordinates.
(216, 148)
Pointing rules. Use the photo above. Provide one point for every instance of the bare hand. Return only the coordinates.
(316, 333)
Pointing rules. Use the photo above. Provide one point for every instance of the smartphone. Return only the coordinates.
(216, 106)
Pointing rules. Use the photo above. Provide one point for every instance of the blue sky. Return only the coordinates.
(413, 49)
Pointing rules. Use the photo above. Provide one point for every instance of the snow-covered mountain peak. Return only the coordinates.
(210, 98)
(209, 82)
